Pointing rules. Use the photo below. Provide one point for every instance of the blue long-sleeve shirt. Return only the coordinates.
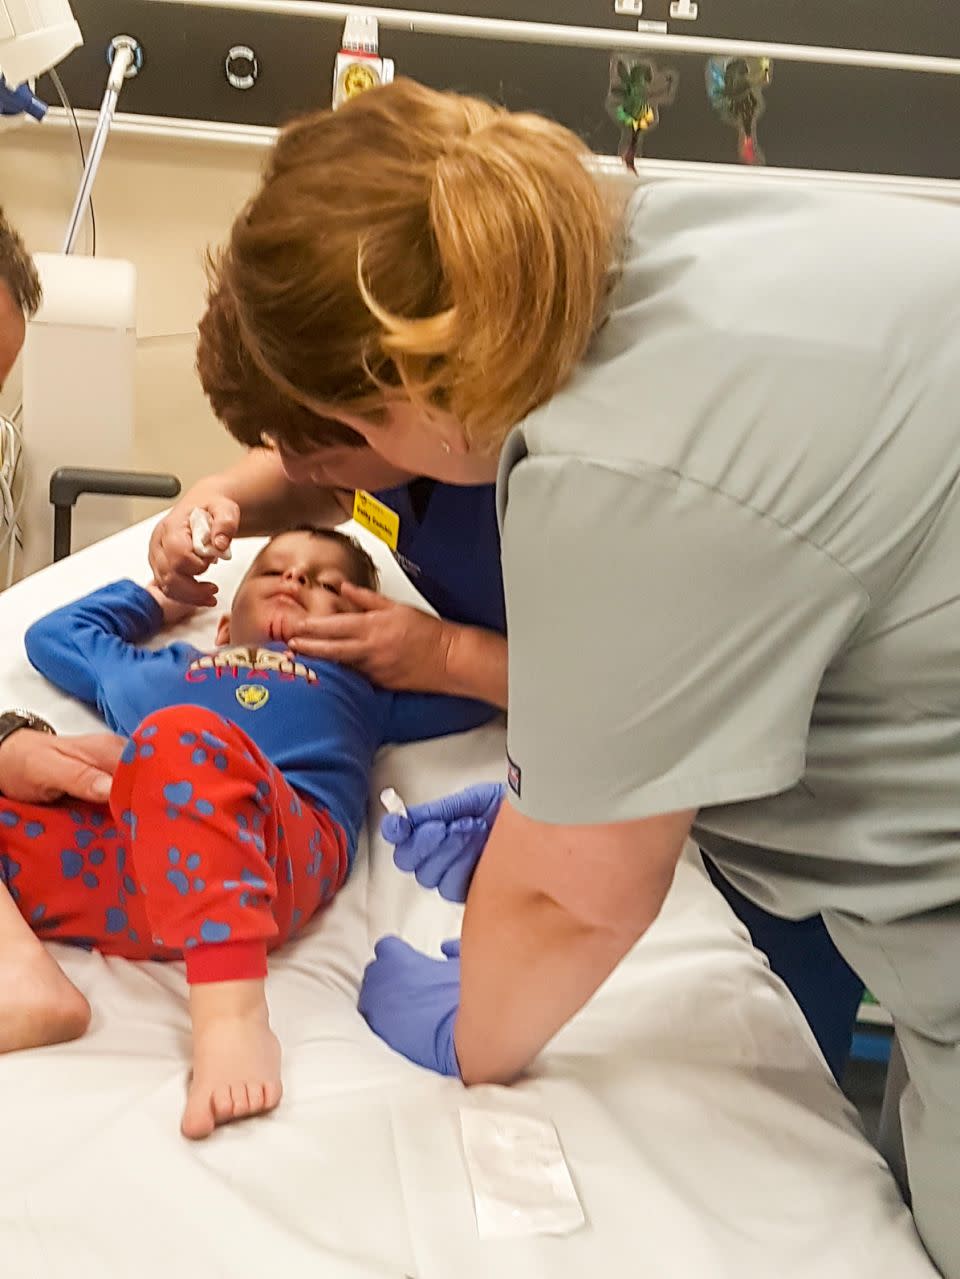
(319, 723)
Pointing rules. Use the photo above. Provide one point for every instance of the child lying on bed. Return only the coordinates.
(235, 810)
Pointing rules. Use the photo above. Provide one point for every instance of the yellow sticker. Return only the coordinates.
(376, 518)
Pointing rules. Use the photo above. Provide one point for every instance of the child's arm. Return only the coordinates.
(414, 717)
(76, 645)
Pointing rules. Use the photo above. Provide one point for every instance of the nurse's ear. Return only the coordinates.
(223, 630)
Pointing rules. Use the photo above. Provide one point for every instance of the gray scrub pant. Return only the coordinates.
(912, 966)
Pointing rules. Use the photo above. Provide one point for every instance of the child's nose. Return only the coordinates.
(296, 574)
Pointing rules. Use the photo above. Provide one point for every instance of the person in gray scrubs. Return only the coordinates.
(730, 540)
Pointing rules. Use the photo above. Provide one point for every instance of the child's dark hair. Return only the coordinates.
(363, 571)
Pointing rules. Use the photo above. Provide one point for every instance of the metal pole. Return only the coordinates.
(124, 61)
(611, 38)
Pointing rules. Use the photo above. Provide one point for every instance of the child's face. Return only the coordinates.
(294, 577)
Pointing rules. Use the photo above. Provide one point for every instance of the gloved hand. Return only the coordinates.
(441, 842)
(410, 1000)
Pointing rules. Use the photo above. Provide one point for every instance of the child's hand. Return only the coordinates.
(173, 612)
(175, 563)
(441, 842)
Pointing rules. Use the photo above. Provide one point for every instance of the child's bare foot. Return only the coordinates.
(236, 1056)
(39, 1004)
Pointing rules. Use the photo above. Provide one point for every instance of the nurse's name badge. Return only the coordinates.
(376, 518)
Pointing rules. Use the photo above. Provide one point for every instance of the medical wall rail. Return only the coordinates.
(839, 102)
(560, 35)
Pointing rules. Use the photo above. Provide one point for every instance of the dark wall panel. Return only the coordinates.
(817, 117)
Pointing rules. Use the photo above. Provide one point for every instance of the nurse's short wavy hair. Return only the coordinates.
(244, 399)
(421, 245)
(17, 271)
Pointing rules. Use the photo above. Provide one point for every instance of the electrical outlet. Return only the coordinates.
(629, 8)
(686, 9)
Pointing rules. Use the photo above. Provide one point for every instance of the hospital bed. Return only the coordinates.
(703, 1133)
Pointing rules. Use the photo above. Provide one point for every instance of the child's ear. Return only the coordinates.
(223, 629)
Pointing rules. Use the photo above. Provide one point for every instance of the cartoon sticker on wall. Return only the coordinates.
(735, 88)
(638, 90)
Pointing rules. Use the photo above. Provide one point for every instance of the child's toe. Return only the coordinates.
(241, 1101)
(222, 1101)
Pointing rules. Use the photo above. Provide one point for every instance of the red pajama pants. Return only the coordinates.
(204, 853)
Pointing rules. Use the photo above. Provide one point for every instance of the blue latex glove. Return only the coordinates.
(410, 1000)
(441, 842)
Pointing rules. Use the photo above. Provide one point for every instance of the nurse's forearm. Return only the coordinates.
(269, 502)
(474, 664)
(552, 910)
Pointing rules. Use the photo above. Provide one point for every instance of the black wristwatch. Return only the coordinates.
(12, 721)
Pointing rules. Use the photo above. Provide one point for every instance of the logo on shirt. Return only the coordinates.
(252, 696)
(265, 661)
(513, 776)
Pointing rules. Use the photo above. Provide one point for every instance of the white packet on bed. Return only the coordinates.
(521, 1182)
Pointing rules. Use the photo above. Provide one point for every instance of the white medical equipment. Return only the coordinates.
(702, 1131)
(78, 391)
(34, 36)
(79, 355)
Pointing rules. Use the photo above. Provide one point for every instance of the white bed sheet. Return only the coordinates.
(703, 1132)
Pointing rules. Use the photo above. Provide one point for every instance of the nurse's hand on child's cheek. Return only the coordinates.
(411, 1001)
(395, 646)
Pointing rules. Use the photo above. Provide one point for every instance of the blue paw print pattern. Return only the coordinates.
(247, 836)
(200, 756)
(251, 884)
(262, 799)
(178, 877)
(139, 746)
(9, 870)
(116, 920)
(175, 875)
(71, 863)
(30, 829)
(177, 795)
(75, 863)
(211, 930)
(218, 747)
(204, 808)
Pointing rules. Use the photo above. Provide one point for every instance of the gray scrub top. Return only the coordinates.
(731, 548)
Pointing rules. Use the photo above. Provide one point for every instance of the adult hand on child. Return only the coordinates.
(175, 563)
(441, 842)
(410, 1000)
(37, 768)
(392, 644)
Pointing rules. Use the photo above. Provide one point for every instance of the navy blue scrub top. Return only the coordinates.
(449, 547)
